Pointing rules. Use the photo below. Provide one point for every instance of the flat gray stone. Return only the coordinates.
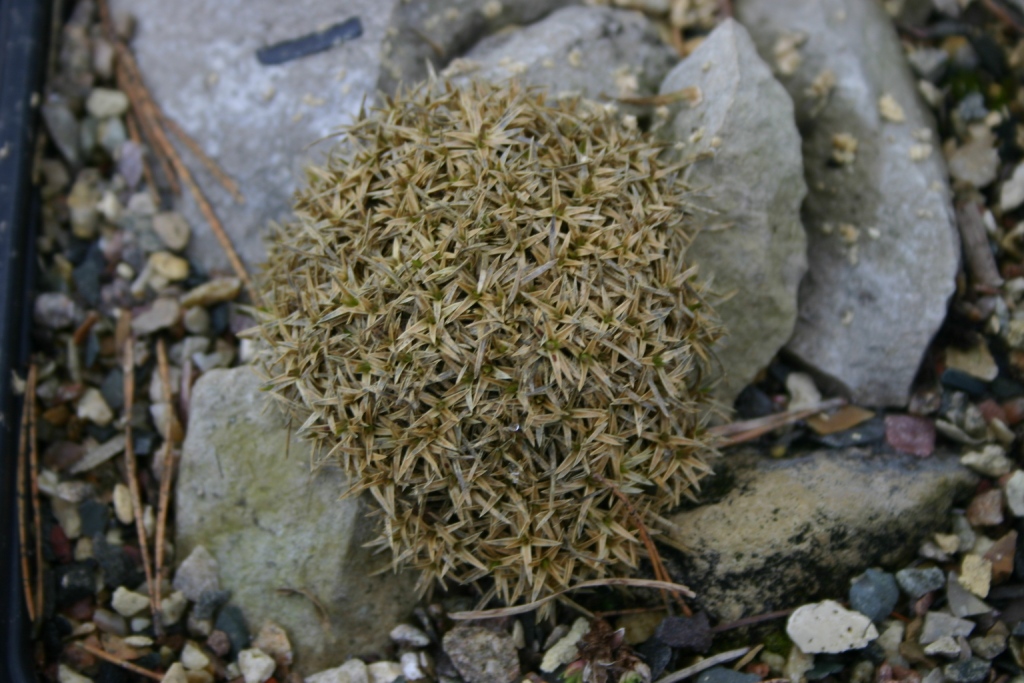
(883, 248)
(247, 495)
(595, 52)
(263, 124)
(938, 625)
(785, 532)
(748, 150)
(438, 31)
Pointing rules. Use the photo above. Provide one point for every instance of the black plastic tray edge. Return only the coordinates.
(24, 26)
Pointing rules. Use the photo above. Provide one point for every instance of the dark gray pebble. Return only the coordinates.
(232, 622)
(656, 654)
(874, 594)
(971, 670)
(113, 389)
(118, 568)
(209, 602)
(95, 517)
(720, 674)
(917, 582)
(686, 633)
(75, 581)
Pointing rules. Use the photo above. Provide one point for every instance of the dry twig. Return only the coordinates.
(30, 402)
(23, 467)
(596, 583)
(660, 573)
(147, 166)
(735, 433)
(103, 654)
(168, 464)
(212, 166)
(704, 664)
(132, 466)
(82, 331)
(321, 611)
(977, 253)
(751, 621)
(1004, 15)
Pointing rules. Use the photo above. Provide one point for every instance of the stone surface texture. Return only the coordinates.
(883, 248)
(597, 52)
(247, 495)
(438, 31)
(263, 124)
(788, 531)
(749, 172)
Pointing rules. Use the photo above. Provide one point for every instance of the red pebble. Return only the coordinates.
(910, 434)
(1014, 411)
(759, 668)
(991, 410)
(81, 610)
(60, 545)
(986, 509)
(68, 392)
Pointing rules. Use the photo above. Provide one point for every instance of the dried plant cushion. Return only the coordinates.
(483, 313)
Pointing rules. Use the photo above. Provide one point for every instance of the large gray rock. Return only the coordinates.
(749, 166)
(883, 248)
(596, 52)
(437, 31)
(247, 495)
(262, 123)
(789, 531)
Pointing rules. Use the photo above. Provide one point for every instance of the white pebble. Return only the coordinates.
(411, 668)
(173, 607)
(803, 393)
(564, 651)
(68, 518)
(256, 666)
(175, 674)
(65, 674)
(945, 646)
(93, 407)
(1015, 493)
(106, 102)
(797, 664)
(409, 636)
(829, 627)
(138, 641)
(352, 671)
(123, 504)
(990, 461)
(383, 672)
(976, 575)
(128, 603)
(141, 623)
(194, 658)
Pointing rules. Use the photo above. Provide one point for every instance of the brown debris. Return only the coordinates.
(845, 418)
(118, 661)
(977, 253)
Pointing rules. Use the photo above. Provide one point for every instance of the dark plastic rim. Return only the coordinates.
(23, 39)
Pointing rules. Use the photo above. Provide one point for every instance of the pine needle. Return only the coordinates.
(23, 516)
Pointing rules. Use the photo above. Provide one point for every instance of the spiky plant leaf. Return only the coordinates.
(483, 312)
